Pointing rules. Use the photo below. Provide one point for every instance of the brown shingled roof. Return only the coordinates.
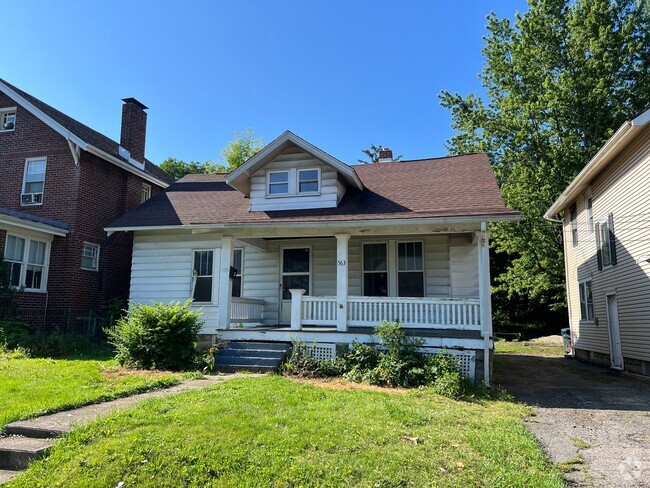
(87, 134)
(454, 186)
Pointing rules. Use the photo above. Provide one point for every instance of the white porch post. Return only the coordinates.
(483, 242)
(225, 284)
(296, 308)
(342, 282)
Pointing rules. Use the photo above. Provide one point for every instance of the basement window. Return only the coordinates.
(7, 119)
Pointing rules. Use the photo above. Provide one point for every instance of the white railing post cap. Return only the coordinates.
(297, 291)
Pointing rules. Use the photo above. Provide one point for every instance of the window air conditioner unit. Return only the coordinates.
(27, 198)
(8, 126)
(38, 197)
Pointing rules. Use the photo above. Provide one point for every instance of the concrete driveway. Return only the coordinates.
(593, 422)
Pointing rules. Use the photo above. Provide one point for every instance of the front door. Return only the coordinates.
(295, 273)
(615, 349)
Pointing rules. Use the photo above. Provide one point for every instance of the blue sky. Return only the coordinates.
(340, 74)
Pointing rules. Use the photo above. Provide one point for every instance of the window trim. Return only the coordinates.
(582, 296)
(589, 212)
(95, 246)
(194, 278)
(423, 270)
(146, 190)
(4, 111)
(573, 222)
(363, 267)
(268, 183)
(22, 191)
(296, 273)
(606, 220)
(23, 270)
(318, 181)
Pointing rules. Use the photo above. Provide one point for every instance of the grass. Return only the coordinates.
(528, 348)
(36, 386)
(273, 431)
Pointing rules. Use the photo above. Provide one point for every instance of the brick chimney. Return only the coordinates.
(134, 128)
(386, 155)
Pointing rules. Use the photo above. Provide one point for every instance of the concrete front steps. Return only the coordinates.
(251, 356)
(17, 451)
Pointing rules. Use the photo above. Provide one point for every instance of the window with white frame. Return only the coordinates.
(90, 256)
(7, 119)
(308, 180)
(606, 243)
(278, 183)
(33, 182)
(573, 217)
(203, 276)
(410, 269)
(27, 260)
(375, 269)
(146, 192)
(586, 301)
(589, 212)
(237, 264)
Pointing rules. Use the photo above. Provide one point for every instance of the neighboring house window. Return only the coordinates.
(146, 192)
(27, 259)
(237, 264)
(7, 119)
(410, 269)
(278, 183)
(606, 243)
(203, 276)
(375, 270)
(308, 180)
(90, 256)
(586, 301)
(573, 216)
(589, 211)
(33, 182)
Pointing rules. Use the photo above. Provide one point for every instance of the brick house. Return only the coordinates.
(61, 183)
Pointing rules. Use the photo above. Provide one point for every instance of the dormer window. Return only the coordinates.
(308, 180)
(279, 183)
(7, 119)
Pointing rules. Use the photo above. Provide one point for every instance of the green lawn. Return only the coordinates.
(528, 348)
(273, 431)
(35, 386)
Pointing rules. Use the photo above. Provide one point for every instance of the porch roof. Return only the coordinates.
(448, 187)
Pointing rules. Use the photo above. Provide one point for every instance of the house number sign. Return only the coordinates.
(342, 262)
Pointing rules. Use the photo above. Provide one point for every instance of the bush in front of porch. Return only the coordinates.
(394, 361)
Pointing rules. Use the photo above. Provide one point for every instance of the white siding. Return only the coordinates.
(330, 190)
(623, 189)
(464, 267)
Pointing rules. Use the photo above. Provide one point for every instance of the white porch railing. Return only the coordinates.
(246, 310)
(318, 310)
(444, 313)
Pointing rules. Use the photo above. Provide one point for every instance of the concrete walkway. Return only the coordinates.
(593, 422)
(27, 440)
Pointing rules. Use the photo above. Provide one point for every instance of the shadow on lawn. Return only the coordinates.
(558, 382)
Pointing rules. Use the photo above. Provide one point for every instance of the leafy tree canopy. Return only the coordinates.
(244, 146)
(558, 82)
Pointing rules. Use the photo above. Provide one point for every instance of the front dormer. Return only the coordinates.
(291, 174)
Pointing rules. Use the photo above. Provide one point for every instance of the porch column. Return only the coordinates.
(483, 241)
(342, 282)
(225, 285)
(296, 308)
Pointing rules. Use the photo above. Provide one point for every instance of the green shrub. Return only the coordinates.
(14, 332)
(301, 363)
(157, 336)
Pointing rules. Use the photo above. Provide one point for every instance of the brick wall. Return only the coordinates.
(87, 197)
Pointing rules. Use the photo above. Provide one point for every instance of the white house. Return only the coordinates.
(296, 244)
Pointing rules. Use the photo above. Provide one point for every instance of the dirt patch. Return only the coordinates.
(552, 340)
(593, 423)
(341, 384)
(121, 372)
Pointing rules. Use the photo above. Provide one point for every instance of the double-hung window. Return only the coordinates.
(146, 192)
(278, 183)
(375, 269)
(90, 256)
(7, 119)
(33, 182)
(589, 212)
(410, 269)
(308, 180)
(27, 259)
(573, 216)
(237, 264)
(586, 301)
(203, 276)
(606, 243)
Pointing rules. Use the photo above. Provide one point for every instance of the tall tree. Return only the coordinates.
(372, 154)
(558, 82)
(179, 168)
(243, 147)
